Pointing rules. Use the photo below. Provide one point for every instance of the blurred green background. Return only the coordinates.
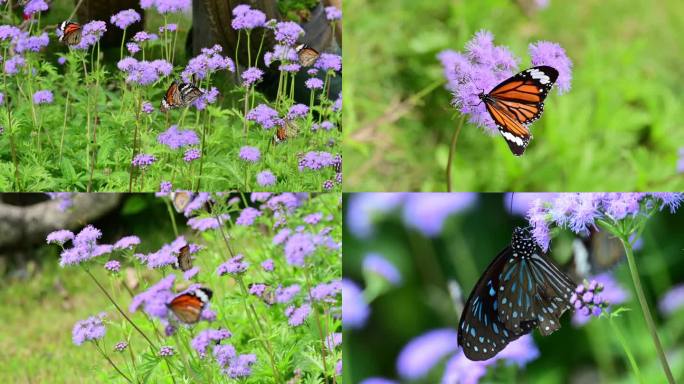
(618, 128)
(468, 242)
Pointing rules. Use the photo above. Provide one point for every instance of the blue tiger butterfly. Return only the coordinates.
(521, 290)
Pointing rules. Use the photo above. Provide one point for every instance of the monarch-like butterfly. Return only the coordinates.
(521, 290)
(287, 130)
(188, 306)
(307, 55)
(519, 101)
(180, 200)
(178, 95)
(184, 259)
(71, 33)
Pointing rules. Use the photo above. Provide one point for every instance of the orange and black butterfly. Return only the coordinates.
(517, 102)
(307, 55)
(188, 306)
(286, 131)
(184, 260)
(71, 33)
(178, 95)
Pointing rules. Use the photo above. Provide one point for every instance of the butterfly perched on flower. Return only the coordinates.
(181, 200)
(519, 291)
(307, 55)
(178, 95)
(285, 131)
(188, 306)
(268, 295)
(184, 259)
(517, 102)
(71, 33)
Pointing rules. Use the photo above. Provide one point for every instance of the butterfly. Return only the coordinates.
(188, 306)
(597, 253)
(307, 55)
(71, 33)
(283, 132)
(181, 200)
(184, 260)
(268, 296)
(521, 290)
(178, 95)
(517, 102)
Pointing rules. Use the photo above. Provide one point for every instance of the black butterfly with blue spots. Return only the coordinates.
(521, 290)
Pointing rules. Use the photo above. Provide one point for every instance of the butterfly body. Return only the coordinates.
(517, 102)
(521, 290)
(178, 95)
(71, 33)
(188, 306)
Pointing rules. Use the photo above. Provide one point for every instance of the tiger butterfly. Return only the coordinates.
(188, 306)
(178, 95)
(184, 259)
(517, 102)
(288, 130)
(71, 33)
(521, 290)
(307, 55)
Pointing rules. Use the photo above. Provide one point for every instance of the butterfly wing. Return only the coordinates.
(480, 332)
(184, 261)
(188, 93)
(171, 98)
(181, 199)
(519, 101)
(71, 33)
(188, 306)
(307, 55)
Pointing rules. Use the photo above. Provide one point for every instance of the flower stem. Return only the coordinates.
(318, 325)
(625, 347)
(135, 141)
(111, 362)
(452, 149)
(644, 308)
(172, 216)
(66, 112)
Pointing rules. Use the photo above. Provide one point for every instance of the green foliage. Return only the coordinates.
(617, 128)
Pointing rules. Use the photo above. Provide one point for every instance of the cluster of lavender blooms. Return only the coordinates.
(580, 211)
(587, 299)
(597, 296)
(484, 65)
(142, 72)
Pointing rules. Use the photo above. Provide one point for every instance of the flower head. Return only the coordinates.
(60, 237)
(166, 351)
(297, 315)
(265, 116)
(288, 32)
(672, 300)
(43, 97)
(35, 6)
(314, 83)
(208, 61)
(205, 338)
(127, 242)
(25, 42)
(553, 55)
(91, 33)
(298, 247)
(590, 299)
(265, 178)
(90, 329)
(120, 346)
(377, 264)
(234, 266)
(297, 111)
(267, 265)
(250, 154)
(244, 17)
(154, 299)
(112, 266)
(125, 18)
(247, 216)
(143, 160)
(355, 309)
(251, 76)
(191, 154)
(329, 62)
(333, 13)
(428, 213)
(175, 138)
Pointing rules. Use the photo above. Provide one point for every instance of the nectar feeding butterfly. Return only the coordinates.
(517, 102)
(188, 306)
(307, 55)
(71, 33)
(519, 291)
(179, 95)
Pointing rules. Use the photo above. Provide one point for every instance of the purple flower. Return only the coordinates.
(247, 18)
(325, 291)
(90, 329)
(168, 28)
(281, 53)
(165, 187)
(313, 218)
(670, 200)
(290, 67)
(25, 42)
(316, 160)
(265, 116)
(281, 236)
(422, 353)
(154, 299)
(287, 32)
(240, 366)
(175, 138)
(143, 161)
(298, 247)
(265, 178)
(234, 266)
(297, 111)
(112, 266)
(427, 213)
(247, 216)
(267, 265)
(314, 83)
(172, 6)
(355, 309)
(205, 338)
(127, 242)
(42, 97)
(91, 33)
(207, 62)
(333, 13)
(85, 247)
(333, 340)
(297, 315)
(191, 154)
(329, 62)
(132, 48)
(143, 36)
(120, 346)
(190, 273)
(553, 55)
(2, 98)
(377, 264)
(35, 6)
(60, 237)
(125, 18)
(672, 300)
(168, 254)
(250, 154)
(522, 201)
(147, 107)
(286, 294)
(251, 76)
(588, 300)
(203, 224)
(166, 351)
(144, 72)
(365, 208)
(13, 64)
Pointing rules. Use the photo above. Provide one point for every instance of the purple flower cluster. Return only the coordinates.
(298, 247)
(268, 265)
(234, 266)
(251, 76)
(376, 264)
(333, 13)
(579, 211)
(244, 17)
(281, 53)
(207, 338)
(672, 301)
(154, 299)
(680, 160)
(14, 64)
(427, 214)
(90, 329)
(326, 291)
(168, 254)
(91, 33)
(355, 309)
(24, 42)
(166, 351)
(208, 61)
(250, 154)
(297, 315)
(265, 178)
(265, 116)
(329, 62)
(43, 97)
(85, 245)
(120, 346)
(288, 32)
(484, 65)
(60, 237)
(284, 295)
(112, 266)
(175, 138)
(206, 223)
(207, 97)
(587, 299)
(143, 36)
(297, 111)
(234, 365)
(191, 155)
(34, 6)
(147, 107)
(167, 6)
(144, 72)
(314, 83)
(316, 160)
(127, 242)
(247, 216)
(143, 160)
(125, 18)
